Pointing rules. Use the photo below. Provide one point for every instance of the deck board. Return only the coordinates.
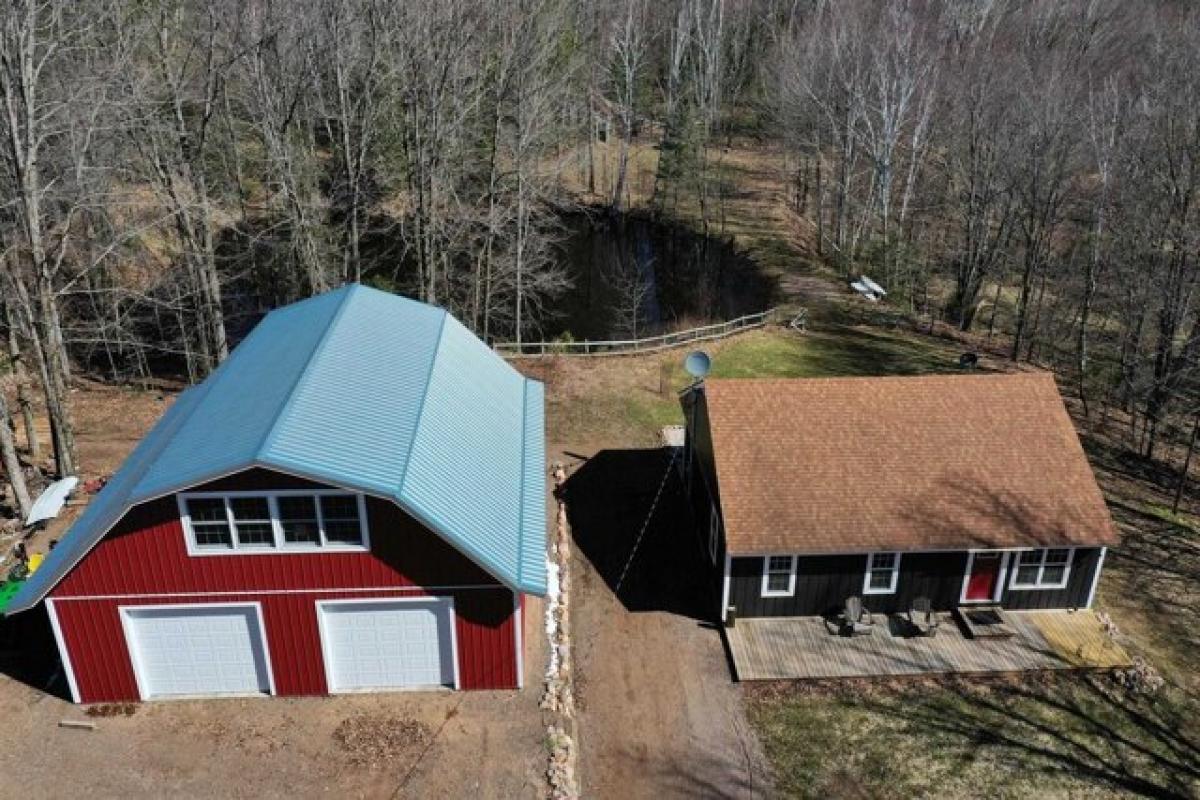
(802, 647)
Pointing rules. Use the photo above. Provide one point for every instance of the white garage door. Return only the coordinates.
(203, 650)
(388, 644)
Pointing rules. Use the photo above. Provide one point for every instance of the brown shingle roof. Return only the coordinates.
(901, 463)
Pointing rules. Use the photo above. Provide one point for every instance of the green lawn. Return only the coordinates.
(637, 412)
(1056, 736)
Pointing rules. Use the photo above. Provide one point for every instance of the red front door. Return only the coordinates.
(985, 573)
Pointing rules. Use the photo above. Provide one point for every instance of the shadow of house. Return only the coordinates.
(650, 561)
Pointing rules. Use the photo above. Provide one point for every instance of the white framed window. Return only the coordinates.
(714, 533)
(883, 572)
(273, 522)
(779, 576)
(1045, 568)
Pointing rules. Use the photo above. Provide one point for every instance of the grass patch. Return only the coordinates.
(842, 351)
(1042, 736)
(617, 400)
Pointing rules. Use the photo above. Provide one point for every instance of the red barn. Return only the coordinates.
(353, 501)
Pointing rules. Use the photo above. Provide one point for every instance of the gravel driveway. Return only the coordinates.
(660, 717)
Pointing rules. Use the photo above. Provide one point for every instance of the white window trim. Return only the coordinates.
(1001, 577)
(1040, 585)
(281, 546)
(891, 589)
(766, 574)
(124, 612)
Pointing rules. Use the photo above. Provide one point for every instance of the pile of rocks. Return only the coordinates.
(1140, 678)
(558, 697)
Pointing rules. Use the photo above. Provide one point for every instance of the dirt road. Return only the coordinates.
(660, 717)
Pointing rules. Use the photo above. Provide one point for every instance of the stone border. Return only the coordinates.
(558, 699)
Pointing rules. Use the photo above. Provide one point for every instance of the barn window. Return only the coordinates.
(341, 522)
(292, 521)
(883, 572)
(779, 576)
(252, 521)
(210, 523)
(298, 519)
(1042, 568)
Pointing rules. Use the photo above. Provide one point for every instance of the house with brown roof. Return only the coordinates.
(963, 489)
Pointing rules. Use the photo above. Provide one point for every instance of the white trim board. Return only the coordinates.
(125, 615)
(1091, 598)
(724, 611)
(446, 601)
(64, 655)
(257, 592)
(518, 619)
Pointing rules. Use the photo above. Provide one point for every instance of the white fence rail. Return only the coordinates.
(650, 344)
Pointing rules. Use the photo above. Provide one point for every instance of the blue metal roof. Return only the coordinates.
(365, 390)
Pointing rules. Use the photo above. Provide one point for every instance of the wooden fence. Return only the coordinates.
(626, 346)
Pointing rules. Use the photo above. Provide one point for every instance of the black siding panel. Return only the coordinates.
(1075, 595)
(938, 576)
(824, 582)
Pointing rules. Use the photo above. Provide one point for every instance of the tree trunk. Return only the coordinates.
(1085, 310)
(12, 465)
(21, 374)
(1187, 465)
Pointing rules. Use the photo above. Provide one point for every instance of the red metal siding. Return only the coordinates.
(145, 554)
(95, 640)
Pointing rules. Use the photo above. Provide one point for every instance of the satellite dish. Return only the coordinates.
(697, 364)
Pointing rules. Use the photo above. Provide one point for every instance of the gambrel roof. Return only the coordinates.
(363, 390)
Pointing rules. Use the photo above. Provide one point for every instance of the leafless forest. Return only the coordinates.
(170, 168)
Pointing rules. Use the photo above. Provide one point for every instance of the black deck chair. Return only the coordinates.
(922, 617)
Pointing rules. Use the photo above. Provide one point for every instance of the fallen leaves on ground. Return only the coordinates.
(370, 739)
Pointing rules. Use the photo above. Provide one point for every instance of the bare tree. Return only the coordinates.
(628, 44)
(9, 460)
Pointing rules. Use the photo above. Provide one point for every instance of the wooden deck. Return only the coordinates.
(802, 647)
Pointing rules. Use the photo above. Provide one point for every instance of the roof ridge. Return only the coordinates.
(521, 490)
(433, 358)
(268, 438)
(1037, 373)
